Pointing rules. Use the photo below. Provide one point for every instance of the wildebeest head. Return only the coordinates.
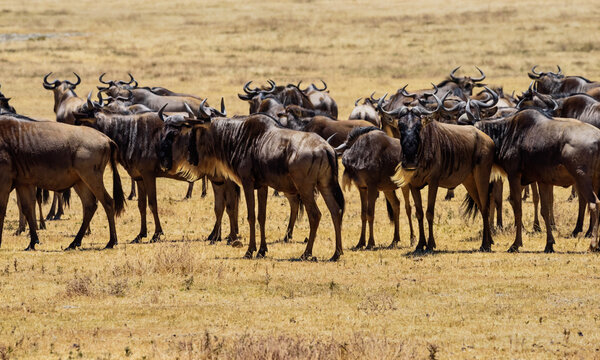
(409, 122)
(59, 88)
(4, 105)
(255, 96)
(533, 99)
(476, 110)
(86, 114)
(461, 86)
(178, 124)
(547, 82)
(117, 88)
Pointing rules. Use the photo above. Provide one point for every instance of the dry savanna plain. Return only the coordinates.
(183, 298)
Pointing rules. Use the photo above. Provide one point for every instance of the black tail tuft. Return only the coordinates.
(118, 194)
(335, 185)
(45, 196)
(390, 210)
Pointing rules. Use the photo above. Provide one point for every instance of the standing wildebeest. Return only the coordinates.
(321, 99)
(285, 95)
(154, 99)
(533, 147)
(66, 102)
(256, 153)
(447, 155)
(366, 111)
(137, 136)
(57, 156)
(460, 86)
(370, 158)
(558, 85)
(334, 131)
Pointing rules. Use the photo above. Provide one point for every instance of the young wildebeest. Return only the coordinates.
(57, 156)
(370, 158)
(137, 136)
(446, 155)
(256, 153)
(533, 147)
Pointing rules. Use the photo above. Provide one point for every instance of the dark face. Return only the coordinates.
(466, 84)
(165, 148)
(548, 83)
(409, 127)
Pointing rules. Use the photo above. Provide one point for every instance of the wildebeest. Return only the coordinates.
(57, 156)
(256, 153)
(285, 95)
(366, 111)
(334, 131)
(370, 158)
(460, 86)
(559, 85)
(137, 136)
(321, 99)
(436, 154)
(533, 147)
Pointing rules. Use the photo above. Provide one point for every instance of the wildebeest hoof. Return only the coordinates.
(485, 249)
(138, 239)
(31, 247)
(393, 245)
(248, 254)
(335, 257)
(19, 231)
(131, 197)
(72, 246)
(513, 249)
(536, 227)
(588, 234)
(370, 247)
(57, 217)
(360, 245)
(305, 240)
(156, 237)
(50, 216)
(419, 250)
(261, 253)
(306, 256)
(42, 225)
(574, 233)
(594, 249)
(110, 245)
(549, 249)
(203, 195)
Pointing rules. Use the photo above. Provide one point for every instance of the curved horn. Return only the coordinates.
(203, 110)
(340, 149)
(104, 82)
(559, 70)
(324, 86)
(454, 108)
(78, 80)
(247, 89)
(486, 105)
(380, 102)
(132, 80)
(534, 74)
(330, 138)
(273, 86)
(426, 94)
(374, 100)
(479, 78)
(356, 102)
(48, 85)
(189, 110)
(89, 100)
(221, 113)
(100, 99)
(160, 112)
(470, 115)
(422, 110)
(406, 94)
(454, 78)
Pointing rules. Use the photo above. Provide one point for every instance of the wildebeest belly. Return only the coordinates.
(557, 175)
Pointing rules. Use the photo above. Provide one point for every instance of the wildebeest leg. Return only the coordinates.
(150, 185)
(96, 185)
(39, 197)
(573, 194)
(431, 197)
(204, 185)
(4, 192)
(514, 183)
(406, 196)
(372, 195)
(142, 209)
(89, 204)
(327, 191)
(546, 203)
(416, 193)
(552, 221)
(22, 220)
(219, 208)
(536, 200)
(449, 195)
(188, 194)
(525, 192)
(262, 195)
(395, 203)
(586, 191)
(249, 195)
(364, 204)
(477, 187)
(294, 201)
(27, 196)
(497, 189)
(580, 217)
(232, 204)
(314, 217)
(132, 192)
(60, 204)
(52, 211)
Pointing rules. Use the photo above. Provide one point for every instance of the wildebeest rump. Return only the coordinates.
(57, 156)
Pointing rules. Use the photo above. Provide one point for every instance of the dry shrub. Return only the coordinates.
(177, 259)
(5, 352)
(118, 287)
(80, 286)
(292, 347)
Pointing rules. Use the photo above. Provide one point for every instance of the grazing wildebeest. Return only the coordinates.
(366, 111)
(436, 154)
(256, 153)
(334, 131)
(321, 99)
(66, 102)
(533, 147)
(57, 156)
(370, 158)
(137, 136)
(559, 85)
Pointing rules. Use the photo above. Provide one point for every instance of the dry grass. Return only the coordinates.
(185, 299)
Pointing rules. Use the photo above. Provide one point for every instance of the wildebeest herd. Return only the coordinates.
(291, 141)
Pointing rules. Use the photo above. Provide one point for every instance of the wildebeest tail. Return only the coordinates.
(469, 205)
(118, 194)
(390, 210)
(66, 195)
(346, 180)
(335, 185)
(45, 196)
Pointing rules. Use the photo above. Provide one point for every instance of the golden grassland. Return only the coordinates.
(187, 299)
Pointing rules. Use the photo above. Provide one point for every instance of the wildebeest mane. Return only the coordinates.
(434, 149)
(17, 116)
(357, 132)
